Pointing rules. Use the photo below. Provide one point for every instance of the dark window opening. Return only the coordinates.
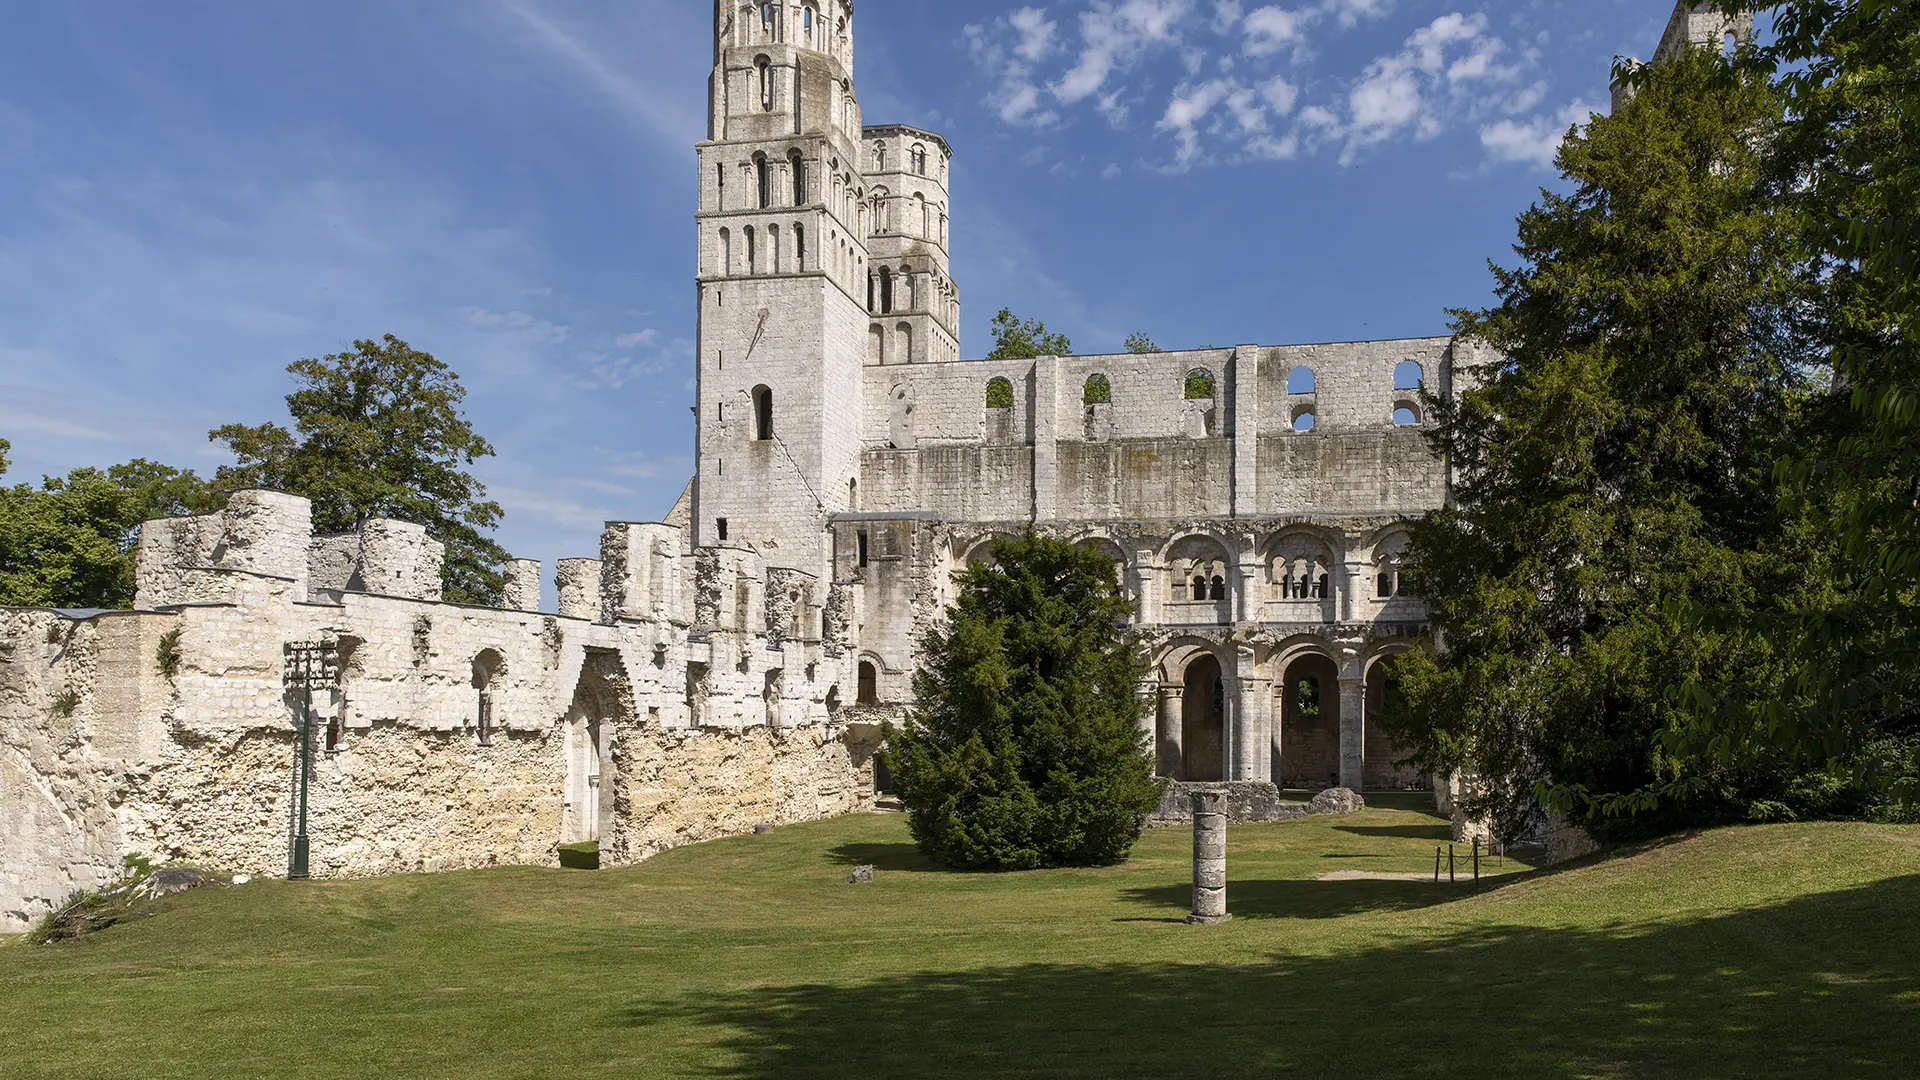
(869, 684)
(762, 414)
(1218, 591)
(720, 528)
(863, 547)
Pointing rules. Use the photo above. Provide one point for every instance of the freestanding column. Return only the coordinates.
(1209, 857)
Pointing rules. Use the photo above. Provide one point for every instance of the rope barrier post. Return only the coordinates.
(1436, 864)
(1451, 878)
(1476, 858)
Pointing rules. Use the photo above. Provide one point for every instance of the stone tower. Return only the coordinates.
(1694, 25)
(914, 303)
(782, 281)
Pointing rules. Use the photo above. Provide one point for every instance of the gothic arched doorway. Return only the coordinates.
(1309, 724)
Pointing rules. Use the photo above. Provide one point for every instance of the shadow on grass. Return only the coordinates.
(894, 857)
(1295, 899)
(1439, 833)
(1814, 987)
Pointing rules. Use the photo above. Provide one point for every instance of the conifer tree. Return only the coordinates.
(1023, 748)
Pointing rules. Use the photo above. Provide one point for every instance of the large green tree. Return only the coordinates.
(1613, 466)
(71, 542)
(1023, 748)
(378, 432)
(1848, 163)
(1014, 339)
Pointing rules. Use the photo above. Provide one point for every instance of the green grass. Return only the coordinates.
(1783, 951)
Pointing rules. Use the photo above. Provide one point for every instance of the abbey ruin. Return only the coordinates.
(730, 666)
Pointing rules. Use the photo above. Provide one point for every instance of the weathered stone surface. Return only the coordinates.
(1337, 800)
(169, 880)
(863, 875)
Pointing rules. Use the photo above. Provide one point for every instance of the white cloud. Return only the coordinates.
(1114, 36)
(1532, 142)
(1036, 32)
(516, 322)
(1271, 29)
(1008, 49)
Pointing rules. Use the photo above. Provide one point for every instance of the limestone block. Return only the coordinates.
(1337, 800)
(398, 559)
(578, 581)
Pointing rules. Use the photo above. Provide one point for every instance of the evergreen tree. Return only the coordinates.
(1613, 467)
(378, 432)
(1017, 340)
(1024, 748)
(1848, 163)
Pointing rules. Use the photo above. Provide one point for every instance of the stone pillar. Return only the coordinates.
(1246, 432)
(1144, 572)
(522, 589)
(1233, 727)
(1209, 857)
(1352, 594)
(1353, 729)
(1046, 426)
(1253, 724)
(578, 581)
(1245, 606)
(1171, 715)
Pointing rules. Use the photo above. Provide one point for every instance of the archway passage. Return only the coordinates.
(1309, 756)
(1385, 767)
(602, 702)
(1203, 721)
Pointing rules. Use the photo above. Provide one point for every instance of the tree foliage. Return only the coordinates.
(378, 432)
(1023, 748)
(1141, 344)
(1613, 467)
(70, 543)
(1017, 340)
(1848, 163)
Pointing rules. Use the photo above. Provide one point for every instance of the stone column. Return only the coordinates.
(1209, 857)
(1170, 717)
(1245, 372)
(1046, 425)
(1232, 727)
(1353, 729)
(1253, 716)
(1144, 572)
(1351, 593)
(521, 592)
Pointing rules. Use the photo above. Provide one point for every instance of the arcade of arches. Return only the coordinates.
(1304, 729)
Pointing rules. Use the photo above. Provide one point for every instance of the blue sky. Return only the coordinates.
(194, 194)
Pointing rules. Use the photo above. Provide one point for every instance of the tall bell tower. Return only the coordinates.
(782, 279)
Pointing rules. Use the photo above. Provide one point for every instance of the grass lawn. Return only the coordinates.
(1784, 951)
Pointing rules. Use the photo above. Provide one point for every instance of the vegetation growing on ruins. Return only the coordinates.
(1024, 748)
(1141, 344)
(1017, 340)
(1759, 953)
(378, 432)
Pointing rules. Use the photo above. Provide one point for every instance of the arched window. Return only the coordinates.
(762, 413)
(1408, 375)
(763, 177)
(886, 290)
(806, 27)
(799, 247)
(773, 246)
(869, 684)
(798, 167)
(879, 157)
(1217, 588)
(1406, 413)
(918, 157)
(1304, 420)
(726, 252)
(920, 211)
(1300, 380)
(1098, 391)
(1199, 384)
(770, 20)
(999, 393)
(906, 342)
(765, 69)
(876, 344)
(753, 252)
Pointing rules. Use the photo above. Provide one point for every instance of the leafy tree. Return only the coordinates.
(1016, 340)
(1614, 466)
(1849, 161)
(1024, 748)
(1141, 343)
(378, 432)
(71, 542)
